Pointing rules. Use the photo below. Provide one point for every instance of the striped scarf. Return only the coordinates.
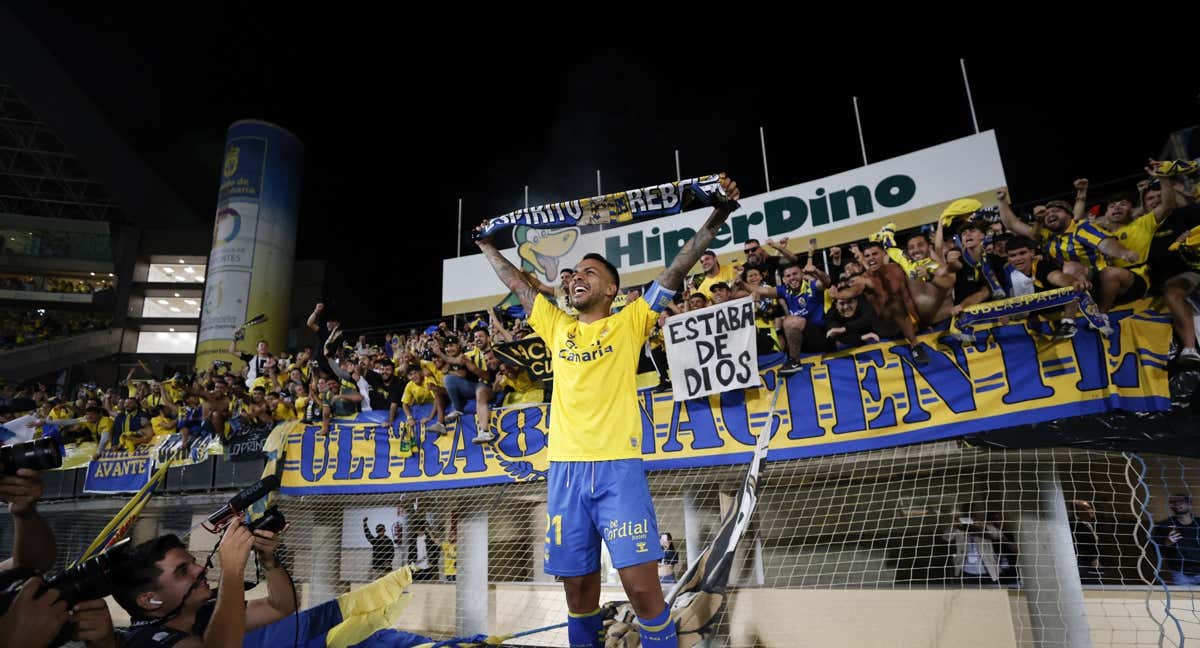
(962, 327)
(621, 207)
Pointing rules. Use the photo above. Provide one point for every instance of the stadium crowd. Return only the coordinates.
(1130, 244)
(61, 284)
(1143, 240)
(23, 326)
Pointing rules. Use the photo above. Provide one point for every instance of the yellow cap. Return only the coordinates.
(959, 208)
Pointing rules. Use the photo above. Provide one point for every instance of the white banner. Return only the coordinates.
(712, 350)
(908, 190)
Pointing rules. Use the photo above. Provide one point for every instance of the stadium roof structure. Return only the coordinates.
(59, 156)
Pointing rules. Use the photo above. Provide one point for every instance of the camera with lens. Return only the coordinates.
(271, 520)
(238, 504)
(94, 578)
(39, 454)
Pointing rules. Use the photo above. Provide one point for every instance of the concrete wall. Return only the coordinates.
(846, 618)
(773, 618)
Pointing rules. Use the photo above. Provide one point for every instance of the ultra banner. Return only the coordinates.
(863, 399)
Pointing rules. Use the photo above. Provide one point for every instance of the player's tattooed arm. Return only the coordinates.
(509, 274)
(672, 277)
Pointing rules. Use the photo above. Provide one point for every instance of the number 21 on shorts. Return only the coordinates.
(554, 523)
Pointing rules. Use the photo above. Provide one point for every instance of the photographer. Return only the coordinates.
(36, 618)
(171, 604)
(32, 617)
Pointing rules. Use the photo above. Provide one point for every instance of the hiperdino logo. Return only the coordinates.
(782, 216)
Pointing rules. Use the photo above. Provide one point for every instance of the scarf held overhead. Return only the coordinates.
(621, 207)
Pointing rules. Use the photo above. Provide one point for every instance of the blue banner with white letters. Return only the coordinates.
(118, 471)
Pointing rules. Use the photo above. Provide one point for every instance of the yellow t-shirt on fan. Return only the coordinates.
(416, 394)
(1137, 235)
(724, 275)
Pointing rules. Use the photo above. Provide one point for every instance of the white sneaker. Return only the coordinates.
(452, 416)
(436, 428)
(1189, 357)
(484, 436)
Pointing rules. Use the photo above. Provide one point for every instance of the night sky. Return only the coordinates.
(400, 119)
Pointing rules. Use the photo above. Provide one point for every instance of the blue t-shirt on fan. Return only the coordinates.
(807, 302)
